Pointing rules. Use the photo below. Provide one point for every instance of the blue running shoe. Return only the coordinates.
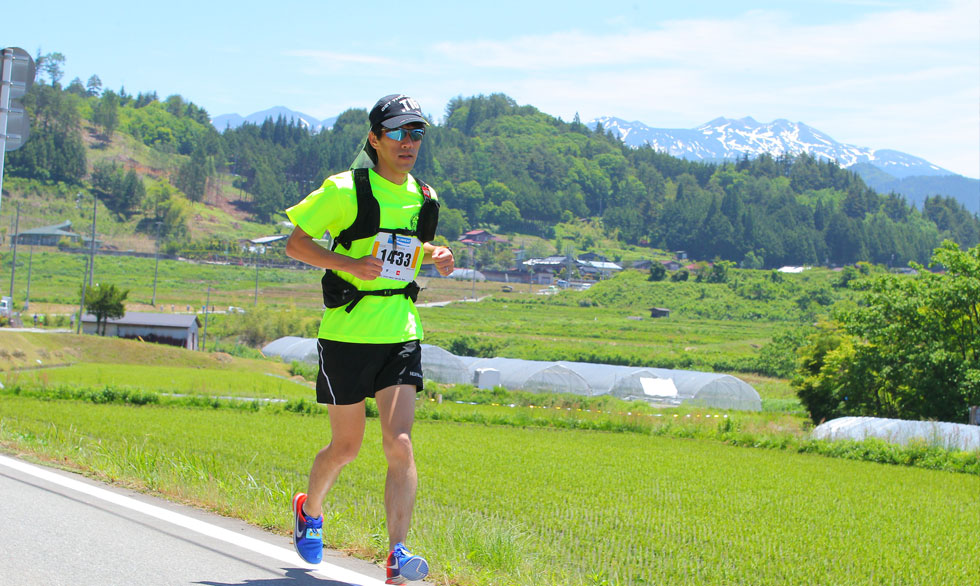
(307, 532)
(403, 566)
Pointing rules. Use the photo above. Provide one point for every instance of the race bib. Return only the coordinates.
(399, 255)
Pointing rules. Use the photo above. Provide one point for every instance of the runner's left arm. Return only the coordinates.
(441, 256)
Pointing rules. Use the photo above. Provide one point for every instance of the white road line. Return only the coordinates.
(282, 554)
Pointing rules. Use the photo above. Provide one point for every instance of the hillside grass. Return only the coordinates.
(179, 380)
(591, 334)
(182, 286)
(219, 215)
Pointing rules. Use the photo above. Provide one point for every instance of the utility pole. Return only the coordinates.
(204, 337)
(90, 269)
(13, 263)
(256, 303)
(30, 263)
(91, 264)
(473, 271)
(81, 307)
(156, 265)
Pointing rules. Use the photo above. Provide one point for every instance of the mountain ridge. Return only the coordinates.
(727, 139)
(730, 138)
(235, 120)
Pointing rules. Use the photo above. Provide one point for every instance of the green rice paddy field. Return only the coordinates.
(510, 505)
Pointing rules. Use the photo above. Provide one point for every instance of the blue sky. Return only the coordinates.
(896, 74)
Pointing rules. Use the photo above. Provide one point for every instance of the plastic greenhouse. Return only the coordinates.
(444, 366)
(526, 375)
(654, 385)
(292, 348)
(951, 436)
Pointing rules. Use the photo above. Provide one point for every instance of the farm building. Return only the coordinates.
(478, 237)
(951, 436)
(163, 328)
(655, 385)
(47, 235)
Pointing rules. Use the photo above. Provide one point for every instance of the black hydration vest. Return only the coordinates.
(338, 292)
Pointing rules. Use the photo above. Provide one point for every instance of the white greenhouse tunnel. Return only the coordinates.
(951, 436)
(654, 385)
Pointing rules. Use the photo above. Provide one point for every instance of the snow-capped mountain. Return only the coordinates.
(235, 120)
(729, 139)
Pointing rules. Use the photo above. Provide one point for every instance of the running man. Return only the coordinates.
(369, 339)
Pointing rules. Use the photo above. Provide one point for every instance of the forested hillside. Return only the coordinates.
(495, 164)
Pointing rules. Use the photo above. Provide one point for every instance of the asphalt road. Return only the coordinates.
(61, 528)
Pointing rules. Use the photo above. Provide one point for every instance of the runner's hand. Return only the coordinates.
(442, 257)
(366, 268)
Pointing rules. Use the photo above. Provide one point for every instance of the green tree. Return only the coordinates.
(847, 274)
(53, 64)
(718, 273)
(192, 178)
(93, 87)
(681, 274)
(76, 87)
(105, 302)
(106, 114)
(752, 261)
(131, 193)
(121, 191)
(911, 350)
(55, 151)
(167, 206)
(452, 223)
(470, 197)
(658, 272)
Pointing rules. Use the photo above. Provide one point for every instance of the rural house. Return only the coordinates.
(163, 328)
(478, 237)
(47, 235)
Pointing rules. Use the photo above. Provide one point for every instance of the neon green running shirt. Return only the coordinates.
(332, 208)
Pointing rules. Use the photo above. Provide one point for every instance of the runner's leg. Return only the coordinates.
(346, 434)
(396, 410)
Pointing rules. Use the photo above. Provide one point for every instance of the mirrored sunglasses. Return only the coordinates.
(398, 134)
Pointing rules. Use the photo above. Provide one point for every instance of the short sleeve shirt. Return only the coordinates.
(331, 209)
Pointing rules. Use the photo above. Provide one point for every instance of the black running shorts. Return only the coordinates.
(350, 372)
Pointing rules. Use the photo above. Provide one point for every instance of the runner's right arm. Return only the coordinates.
(302, 247)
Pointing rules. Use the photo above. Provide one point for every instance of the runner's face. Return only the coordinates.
(396, 156)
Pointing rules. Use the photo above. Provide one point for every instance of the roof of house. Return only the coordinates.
(61, 229)
(140, 318)
(608, 266)
(268, 239)
(549, 260)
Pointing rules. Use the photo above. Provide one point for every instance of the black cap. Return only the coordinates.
(396, 110)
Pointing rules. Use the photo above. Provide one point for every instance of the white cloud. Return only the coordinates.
(758, 38)
(901, 79)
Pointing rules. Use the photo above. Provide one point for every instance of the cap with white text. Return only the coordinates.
(395, 111)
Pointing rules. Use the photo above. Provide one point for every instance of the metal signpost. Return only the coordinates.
(18, 75)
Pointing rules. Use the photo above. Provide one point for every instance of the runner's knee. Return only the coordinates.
(342, 452)
(398, 448)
